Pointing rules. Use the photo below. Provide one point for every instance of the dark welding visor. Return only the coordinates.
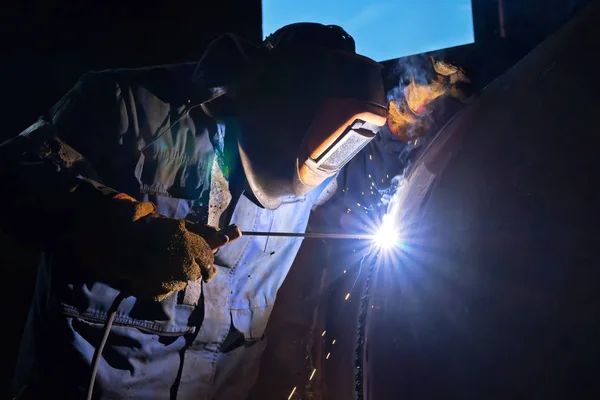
(340, 130)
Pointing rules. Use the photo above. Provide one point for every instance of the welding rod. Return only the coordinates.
(311, 235)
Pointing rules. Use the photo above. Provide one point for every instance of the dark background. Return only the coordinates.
(47, 45)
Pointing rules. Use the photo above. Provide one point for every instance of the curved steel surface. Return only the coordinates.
(495, 291)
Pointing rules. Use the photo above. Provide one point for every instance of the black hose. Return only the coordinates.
(112, 313)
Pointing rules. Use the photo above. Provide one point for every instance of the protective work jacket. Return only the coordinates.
(140, 134)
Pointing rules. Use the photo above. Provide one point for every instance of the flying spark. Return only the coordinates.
(347, 296)
(313, 374)
(291, 394)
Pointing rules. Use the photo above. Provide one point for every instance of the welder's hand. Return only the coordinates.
(154, 255)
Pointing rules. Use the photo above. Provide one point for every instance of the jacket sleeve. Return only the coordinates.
(47, 172)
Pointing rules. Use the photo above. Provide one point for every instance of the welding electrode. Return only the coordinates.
(311, 235)
(233, 232)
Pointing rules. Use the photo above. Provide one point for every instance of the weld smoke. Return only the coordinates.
(417, 68)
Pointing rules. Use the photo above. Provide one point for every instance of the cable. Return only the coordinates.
(112, 313)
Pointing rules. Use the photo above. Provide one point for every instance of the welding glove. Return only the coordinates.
(154, 256)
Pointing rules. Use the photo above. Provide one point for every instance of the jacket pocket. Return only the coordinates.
(92, 303)
(138, 361)
(251, 322)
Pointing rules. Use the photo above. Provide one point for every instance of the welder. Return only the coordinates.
(129, 184)
(126, 183)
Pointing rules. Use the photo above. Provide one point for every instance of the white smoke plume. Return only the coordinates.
(424, 83)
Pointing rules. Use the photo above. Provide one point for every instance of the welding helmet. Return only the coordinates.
(305, 108)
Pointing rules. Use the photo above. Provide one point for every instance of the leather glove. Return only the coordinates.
(154, 255)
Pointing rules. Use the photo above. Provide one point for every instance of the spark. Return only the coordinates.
(333, 341)
(313, 374)
(323, 334)
(347, 296)
(328, 354)
(370, 157)
(358, 204)
(291, 394)
(344, 271)
(369, 175)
